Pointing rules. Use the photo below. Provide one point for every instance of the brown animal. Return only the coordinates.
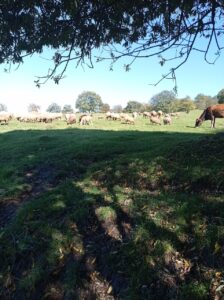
(211, 113)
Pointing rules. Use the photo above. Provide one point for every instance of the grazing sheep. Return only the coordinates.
(155, 120)
(129, 120)
(160, 113)
(70, 118)
(80, 118)
(134, 114)
(5, 117)
(146, 114)
(167, 120)
(108, 115)
(86, 120)
(154, 113)
(116, 116)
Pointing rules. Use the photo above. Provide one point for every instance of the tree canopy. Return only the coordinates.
(54, 108)
(202, 101)
(136, 29)
(220, 96)
(105, 108)
(185, 104)
(164, 101)
(67, 108)
(133, 106)
(88, 102)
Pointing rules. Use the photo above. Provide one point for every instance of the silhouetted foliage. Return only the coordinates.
(140, 28)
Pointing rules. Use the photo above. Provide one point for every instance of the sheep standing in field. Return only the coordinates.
(86, 120)
(70, 118)
(108, 115)
(146, 114)
(129, 120)
(115, 116)
(160, 113)
(45, 118)
(167, 120)
(134, 114)
(155, 120)
(5, 117)
(154, 113)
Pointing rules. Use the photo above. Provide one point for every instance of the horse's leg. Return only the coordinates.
(214, 123)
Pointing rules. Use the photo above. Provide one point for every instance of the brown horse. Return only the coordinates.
(211, 113)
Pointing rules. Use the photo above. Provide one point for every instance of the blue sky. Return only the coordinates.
(114, 87)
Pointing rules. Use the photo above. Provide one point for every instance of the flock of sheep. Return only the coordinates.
(155, 117)
(86, 119)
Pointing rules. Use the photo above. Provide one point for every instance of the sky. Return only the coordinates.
(115, 87)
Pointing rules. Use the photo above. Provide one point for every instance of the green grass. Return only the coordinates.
(134, 209)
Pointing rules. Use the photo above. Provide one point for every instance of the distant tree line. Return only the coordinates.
(166, 101)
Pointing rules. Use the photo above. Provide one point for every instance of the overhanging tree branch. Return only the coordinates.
(142, 29)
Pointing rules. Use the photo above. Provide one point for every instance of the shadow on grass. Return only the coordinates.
(106, 215)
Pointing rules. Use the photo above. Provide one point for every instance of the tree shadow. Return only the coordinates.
(88, 223)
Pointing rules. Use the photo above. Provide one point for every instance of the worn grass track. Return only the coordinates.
(111, 211)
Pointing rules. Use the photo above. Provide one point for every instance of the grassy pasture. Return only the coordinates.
(112, 211)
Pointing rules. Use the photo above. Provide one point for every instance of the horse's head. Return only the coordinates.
(198, 122)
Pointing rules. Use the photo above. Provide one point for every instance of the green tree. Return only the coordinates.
(89, 102)
(220, 96)
(32, 107)
(75, 28)
(67, 109)
(133, 106)
(105, 108)
(202, 101)
(54, 108)
(186, 104)
(3, 107)
(165, 101)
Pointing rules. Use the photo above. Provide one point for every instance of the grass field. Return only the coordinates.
(112, 211)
